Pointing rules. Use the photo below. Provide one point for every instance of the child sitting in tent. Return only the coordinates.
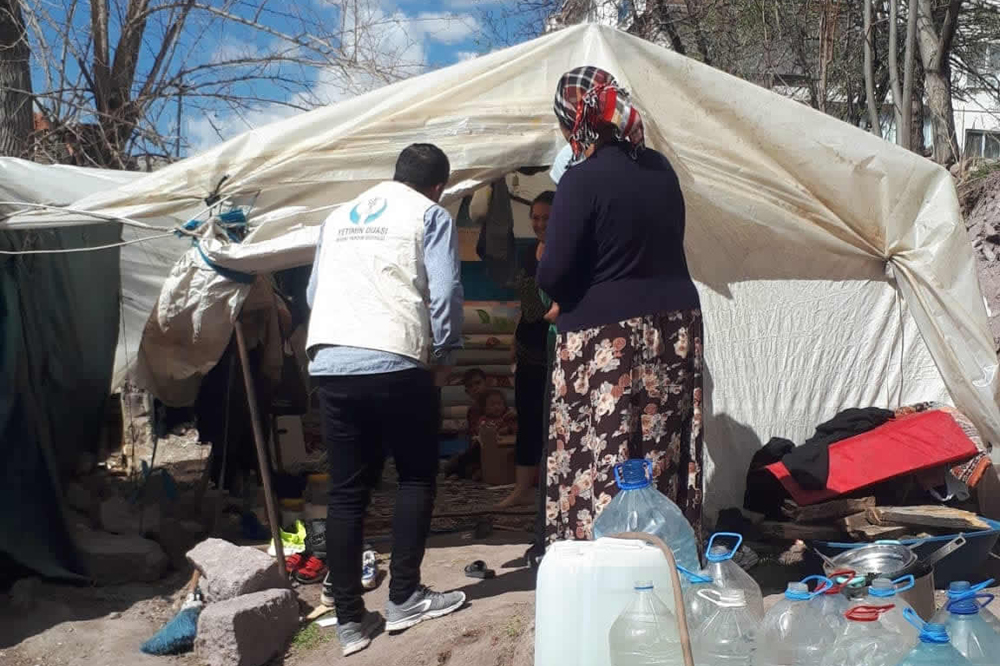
(466, 464)
(496, 413)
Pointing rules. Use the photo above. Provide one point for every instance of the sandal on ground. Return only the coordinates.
(478, 570)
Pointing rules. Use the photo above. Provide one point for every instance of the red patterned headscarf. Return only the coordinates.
(588, 98)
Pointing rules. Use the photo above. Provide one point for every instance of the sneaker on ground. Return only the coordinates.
(369, 570)
(356, 636)
(424, 604)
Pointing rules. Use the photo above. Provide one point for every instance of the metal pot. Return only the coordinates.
(893, 560)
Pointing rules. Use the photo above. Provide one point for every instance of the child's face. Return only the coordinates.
(495, 406)
(475, 386)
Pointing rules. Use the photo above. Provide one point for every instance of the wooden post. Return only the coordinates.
(262, 457)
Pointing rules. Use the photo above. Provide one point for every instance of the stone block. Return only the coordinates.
(229, 571)
(118, 516)
(247, 630)
(112, 559)
(79, 498)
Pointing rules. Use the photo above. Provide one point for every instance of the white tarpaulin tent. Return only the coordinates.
(834, 267)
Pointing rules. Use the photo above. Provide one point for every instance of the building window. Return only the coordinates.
(982, 144)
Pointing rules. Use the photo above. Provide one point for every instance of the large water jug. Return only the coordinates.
(865, 641)
(883, 591)
(645, 634)
(961, 588)
(582, 587)
(834, 603)
(970, 633)
(728, 636)
(934, 648)
(727, 574)
(639, 507)
(792, 633)
(698, 608)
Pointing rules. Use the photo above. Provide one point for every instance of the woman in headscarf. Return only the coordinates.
(627, 375)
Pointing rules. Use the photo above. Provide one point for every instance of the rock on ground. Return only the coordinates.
(247, 630)
(112, 559)
(229, 571)
(119, 517)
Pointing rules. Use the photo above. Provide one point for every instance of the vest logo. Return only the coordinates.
(369, 210)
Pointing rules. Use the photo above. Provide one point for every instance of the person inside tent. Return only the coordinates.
(627, 375)
(386, 299)
(530, 362)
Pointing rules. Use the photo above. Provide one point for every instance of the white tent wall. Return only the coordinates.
(834, 267)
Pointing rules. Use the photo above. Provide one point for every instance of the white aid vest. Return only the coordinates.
(371, 288)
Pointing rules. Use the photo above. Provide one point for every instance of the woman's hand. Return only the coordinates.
(552, 314)
(539, 250)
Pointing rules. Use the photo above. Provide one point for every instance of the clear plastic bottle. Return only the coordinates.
(728, 636)
(883, 591)
(934, 648)
(970, 633)
(792, 633)
(961, 588)
(698, 609)
(865, 641)
(833, 603)
(640, 507)
(728, 575)
(645, 634)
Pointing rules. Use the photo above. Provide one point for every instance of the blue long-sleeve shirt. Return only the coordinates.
(444, 282)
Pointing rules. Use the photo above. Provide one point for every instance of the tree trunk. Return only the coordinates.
(15, 82)
(908, 131)
(873, 110)
(898, 99)
(935, 48)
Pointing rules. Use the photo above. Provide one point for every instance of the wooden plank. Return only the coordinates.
(795, 531)
(941, 517)
(877, 532)
(827, 511)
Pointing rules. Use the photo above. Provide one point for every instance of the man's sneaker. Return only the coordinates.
(356, 636)
(326, 596)
(369, 570)
(424, 604)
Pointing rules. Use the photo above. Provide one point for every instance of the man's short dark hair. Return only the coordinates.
(546, 197)
(423, 166)
(474, 373)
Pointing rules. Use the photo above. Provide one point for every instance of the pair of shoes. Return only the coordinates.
(356, 636)
(369, 570)
(312, 570)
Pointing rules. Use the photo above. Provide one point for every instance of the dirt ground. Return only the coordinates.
(81, 626)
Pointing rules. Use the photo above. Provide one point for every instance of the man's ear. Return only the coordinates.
(438, 192)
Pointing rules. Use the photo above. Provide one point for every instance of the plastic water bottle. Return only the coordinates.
(883, 591)
(728, 636)
(640, 507)
(961, 588)
(698, 609)
(934, 648)
(865, 641)
(833, 603)
(792, 633)
(728, 575)
(970, 633)
(645, 634)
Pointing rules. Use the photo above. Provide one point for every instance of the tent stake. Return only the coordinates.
(262, 457)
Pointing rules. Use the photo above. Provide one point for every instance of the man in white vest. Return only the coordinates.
(386, 299)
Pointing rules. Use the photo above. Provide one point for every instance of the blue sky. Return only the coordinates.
(400, 38)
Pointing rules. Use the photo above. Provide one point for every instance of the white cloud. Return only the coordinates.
(390, 45)
(447, 27)
(462, 56)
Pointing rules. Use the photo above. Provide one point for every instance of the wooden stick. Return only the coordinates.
(262, 457)
(679, 609)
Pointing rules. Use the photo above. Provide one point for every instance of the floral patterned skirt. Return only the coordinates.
(625, 390)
